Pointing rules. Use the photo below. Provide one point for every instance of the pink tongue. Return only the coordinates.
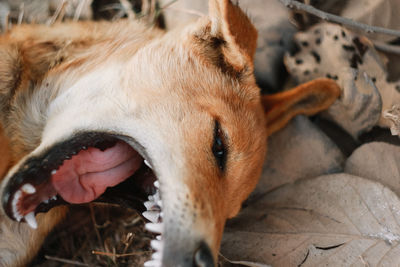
(87, 175)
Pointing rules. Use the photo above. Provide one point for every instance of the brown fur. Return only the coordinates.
(205, 73)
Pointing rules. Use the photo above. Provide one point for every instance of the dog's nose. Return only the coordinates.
(203, 256)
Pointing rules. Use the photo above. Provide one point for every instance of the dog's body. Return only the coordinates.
(186, 101)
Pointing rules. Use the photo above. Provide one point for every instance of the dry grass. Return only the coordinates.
(97, 235)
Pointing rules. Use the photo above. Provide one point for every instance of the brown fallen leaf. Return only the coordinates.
(377, 161)
(332, 220)
(300, 150)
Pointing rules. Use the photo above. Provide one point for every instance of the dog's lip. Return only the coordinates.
(40, 167)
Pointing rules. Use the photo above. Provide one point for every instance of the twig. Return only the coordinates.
(95, 224)
(337, 19)
(65, 261)
(118, 255)
(384, 47)
(128, 241)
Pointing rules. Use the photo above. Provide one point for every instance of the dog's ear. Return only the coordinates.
(229, 23)
(229, 38)
(308, 98)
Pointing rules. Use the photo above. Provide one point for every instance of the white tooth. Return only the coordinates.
(54, 197)
(156, 245)
(157, 184)
(149, 204)
(154, 227)
(161, 214)
(53, 172)
(151, 198)
(158, 237)
(152, 263)
(28, 188)
(14, 204)
(151, 216)
(147, 164)
(31, 220)
(46, 201)
(157, 256)
(159, 203)
(156, 196)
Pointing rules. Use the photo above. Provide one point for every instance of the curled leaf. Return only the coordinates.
(377, 161)
(393, 115)
(328, 50)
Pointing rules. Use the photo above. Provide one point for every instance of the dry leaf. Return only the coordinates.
(377, 161)
(300, 150)
(328, 50)
(393, 116)
(359, 107)
(332, 220)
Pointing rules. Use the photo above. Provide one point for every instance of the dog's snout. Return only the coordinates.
(203, 256)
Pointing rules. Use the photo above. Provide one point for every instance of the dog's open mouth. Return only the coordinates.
(89, 166)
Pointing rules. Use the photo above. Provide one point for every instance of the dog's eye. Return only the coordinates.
(218, 148)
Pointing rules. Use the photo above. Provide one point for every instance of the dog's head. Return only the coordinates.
(181, 110)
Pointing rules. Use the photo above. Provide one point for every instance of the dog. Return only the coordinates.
(172, 118)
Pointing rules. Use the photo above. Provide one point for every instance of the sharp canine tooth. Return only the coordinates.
(14, 203)
(149, 204)
(158, 237)
(53, 172)
(159, 203)
(156, 245)
(156, 196)
(147, 164)
(151, 216)
(154, 227)
(157, 256)
(28, 188)
(152, 263)
(157, 184)
(31, 220)
(54, 197)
